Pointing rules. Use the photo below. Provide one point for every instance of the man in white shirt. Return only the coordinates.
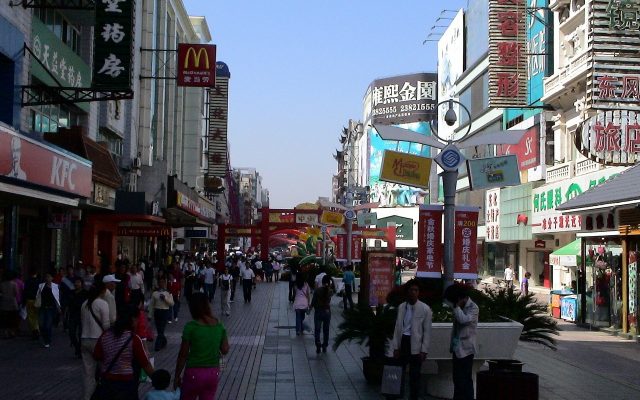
(508, 276)
(248, 278)
(94, 317)
(209, 282)
(107, 295)
(412, 335)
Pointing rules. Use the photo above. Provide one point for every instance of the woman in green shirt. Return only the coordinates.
(203, 340)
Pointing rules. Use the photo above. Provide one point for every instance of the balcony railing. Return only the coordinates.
(576, 66)
(586, 166)
(559, 172)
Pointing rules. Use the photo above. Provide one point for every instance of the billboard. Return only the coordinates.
(507, 58)
(405, 169)
(404, 99)
(527, 150)
(430, 242)
(113, 44)
(218, 148)
(539, 23)
(394, 194)
(450, 68)
(196, 65)
(465, 249)
(611, 138)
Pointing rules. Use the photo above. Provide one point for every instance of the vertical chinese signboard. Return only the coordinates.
(112, 43)
(341, 247)
(466, 251)
(218, 149)
(196, 65)
(507, 56)
(430, 242)
(492, 217)
(614, 79)
(380, 268)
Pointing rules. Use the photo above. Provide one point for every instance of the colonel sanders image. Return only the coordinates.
(16, 170)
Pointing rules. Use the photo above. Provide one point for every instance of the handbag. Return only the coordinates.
(102, 391)
(392, 381)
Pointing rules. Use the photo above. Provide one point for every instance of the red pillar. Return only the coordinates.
(264, 234)
(222, 238)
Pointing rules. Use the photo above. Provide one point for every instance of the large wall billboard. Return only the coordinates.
(450, 68)
(404, 99)
(393, 194)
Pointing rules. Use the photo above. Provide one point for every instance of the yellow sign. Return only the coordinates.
(332, 218)
(313, 231)
(196, 57)
(405, 169)
(306, 206)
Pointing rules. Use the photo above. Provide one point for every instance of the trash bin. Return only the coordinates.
(505, 384)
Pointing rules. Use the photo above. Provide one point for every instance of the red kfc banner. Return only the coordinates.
(196, 65)
(430, 242)
(465, 249)
(31, 161)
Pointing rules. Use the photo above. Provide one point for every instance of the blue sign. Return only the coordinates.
(539, 22)
(493, 172)
(449, 158)
(195, 233)
(569, 308)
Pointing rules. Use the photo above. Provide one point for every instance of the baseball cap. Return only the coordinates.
(110, 278)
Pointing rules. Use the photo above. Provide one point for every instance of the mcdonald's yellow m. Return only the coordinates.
(196, 57)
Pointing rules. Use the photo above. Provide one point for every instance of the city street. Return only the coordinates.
(268, 361)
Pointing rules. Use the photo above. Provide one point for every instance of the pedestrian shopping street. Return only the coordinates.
(268, 361)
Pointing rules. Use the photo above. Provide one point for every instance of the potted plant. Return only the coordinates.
(372, 327)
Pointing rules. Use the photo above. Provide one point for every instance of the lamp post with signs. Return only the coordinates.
(449, 159)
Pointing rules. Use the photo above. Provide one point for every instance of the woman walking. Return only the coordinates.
(301, 302)
(160, 306)
(204, 339)
(121, 354)
(226, 285)
(94, 319)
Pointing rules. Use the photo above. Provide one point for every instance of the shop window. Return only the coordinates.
(599, 221)
(589, 223)
(610, 222)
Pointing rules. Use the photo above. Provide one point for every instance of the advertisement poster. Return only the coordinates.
(381, 267)
(430, 242)
(393, 194)
(450, 68)
(405, 169)
(403, 99)
(465, 249)
(493, 172)
(341, 247)
(527, 150)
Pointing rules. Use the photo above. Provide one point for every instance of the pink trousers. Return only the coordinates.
(200, 383)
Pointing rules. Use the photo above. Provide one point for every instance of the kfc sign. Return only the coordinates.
(196, 65)
(31, 161)
(527, 150)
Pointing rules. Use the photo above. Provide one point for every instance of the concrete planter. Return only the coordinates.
(495, 341)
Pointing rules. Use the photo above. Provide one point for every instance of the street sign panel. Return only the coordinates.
(450, 158)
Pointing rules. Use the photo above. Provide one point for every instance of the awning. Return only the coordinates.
(567, 256)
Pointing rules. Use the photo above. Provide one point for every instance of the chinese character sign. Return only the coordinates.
(508, 64)
(196, 65)
(113, 41)
(465, 248)
(430, 242)
(380, 270)
(341, 247)
(611, 138)
(404, 99)
(492, 217)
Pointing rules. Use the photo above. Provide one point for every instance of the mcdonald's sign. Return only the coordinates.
(196, 65)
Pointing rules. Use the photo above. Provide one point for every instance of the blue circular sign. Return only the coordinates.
(450, 158)
(350, 214)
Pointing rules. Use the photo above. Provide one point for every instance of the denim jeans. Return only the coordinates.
(175, 309)
(246, 289)
(463, 378)
(47, 316)
(300, 314)
(415, 364)
(348, 296)
(210, 290)
(321, 319)
(161, 317)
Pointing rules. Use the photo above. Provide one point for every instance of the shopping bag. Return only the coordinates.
(392, 381)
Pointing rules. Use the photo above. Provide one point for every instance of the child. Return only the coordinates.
(160, 379)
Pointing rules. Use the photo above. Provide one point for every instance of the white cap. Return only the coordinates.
(109, 279)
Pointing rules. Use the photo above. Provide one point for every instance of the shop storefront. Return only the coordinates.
(40, 188)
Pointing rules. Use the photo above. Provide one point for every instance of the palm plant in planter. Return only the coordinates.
(371, 327)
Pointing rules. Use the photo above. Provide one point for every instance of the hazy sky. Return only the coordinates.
(299, 71)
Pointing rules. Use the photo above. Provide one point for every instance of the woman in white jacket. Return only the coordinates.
(48, 304)
(94, 317)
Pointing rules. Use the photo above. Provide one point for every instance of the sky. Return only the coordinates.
(299, 71)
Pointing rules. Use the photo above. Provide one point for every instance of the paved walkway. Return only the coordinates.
(268, 361)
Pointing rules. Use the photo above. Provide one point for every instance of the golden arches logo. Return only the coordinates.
(196, 57)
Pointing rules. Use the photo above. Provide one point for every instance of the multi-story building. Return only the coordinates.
(98, 171)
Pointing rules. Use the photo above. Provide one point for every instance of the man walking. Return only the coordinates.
(508, 276)
(463, 341)
(412, 335)
(210, 282)
(348, 278)
(248, 279)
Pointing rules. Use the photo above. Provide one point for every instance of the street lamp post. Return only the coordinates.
(449, 159)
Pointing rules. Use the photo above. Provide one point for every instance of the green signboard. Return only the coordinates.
(113, 41)
(56, 59)
(404, 226)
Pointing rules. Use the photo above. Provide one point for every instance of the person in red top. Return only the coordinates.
(175, 288)
(121, 354)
